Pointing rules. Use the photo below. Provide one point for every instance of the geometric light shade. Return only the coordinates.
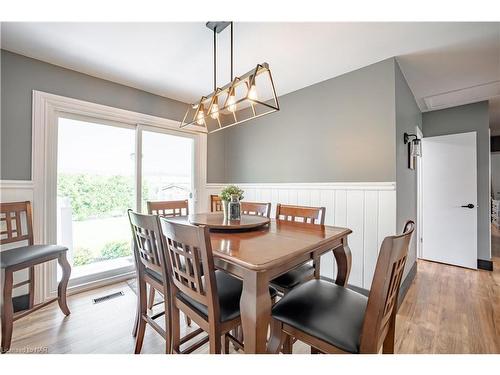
(247, 97)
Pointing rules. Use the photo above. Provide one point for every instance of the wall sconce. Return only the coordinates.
(414, 149)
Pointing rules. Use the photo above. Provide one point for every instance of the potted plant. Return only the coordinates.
(225, 196)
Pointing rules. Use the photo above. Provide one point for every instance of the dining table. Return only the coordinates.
(258, 255)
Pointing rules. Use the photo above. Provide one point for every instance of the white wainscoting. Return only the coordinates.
(368, 209)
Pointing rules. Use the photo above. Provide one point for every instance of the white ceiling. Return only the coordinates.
(439, 60)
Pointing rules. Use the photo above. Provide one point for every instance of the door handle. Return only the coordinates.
(470, 205)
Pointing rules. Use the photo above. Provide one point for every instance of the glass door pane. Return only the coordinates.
(167, 167)
(95, 187)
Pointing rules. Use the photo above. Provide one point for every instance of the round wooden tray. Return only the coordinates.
(216, 221)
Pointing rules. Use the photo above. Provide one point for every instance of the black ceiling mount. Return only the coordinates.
(217, 26)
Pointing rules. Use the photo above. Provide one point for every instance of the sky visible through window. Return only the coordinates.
(86, 147)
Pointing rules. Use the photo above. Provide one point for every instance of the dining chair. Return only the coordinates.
(215, 203)
(307, 271)
(151, 272)
(333, 319)
(166, 209)
(255, 208)
(211, 298)
(15, 227)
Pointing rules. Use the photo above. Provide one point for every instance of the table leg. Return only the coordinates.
(255, 309)
(343, 259)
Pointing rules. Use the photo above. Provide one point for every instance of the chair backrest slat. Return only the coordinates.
(190, 262)
(215, 203)
(383, 297)
(168, 208)
(11, 228)
(313, 215)
(255, 208)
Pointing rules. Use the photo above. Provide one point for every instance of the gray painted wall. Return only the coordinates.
(20, 75)
(462, 119)
(216, 156)
(347, 129)
(408, 117)
(341, 129)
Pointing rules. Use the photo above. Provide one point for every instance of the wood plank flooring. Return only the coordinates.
(450, 310)
(447, 310)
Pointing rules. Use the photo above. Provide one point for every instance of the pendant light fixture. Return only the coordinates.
(246, 97)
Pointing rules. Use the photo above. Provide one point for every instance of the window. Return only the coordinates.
(166, 167)
(97, 178)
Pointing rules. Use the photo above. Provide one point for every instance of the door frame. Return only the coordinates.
(489, 192)
(420, 201)
(45, 112)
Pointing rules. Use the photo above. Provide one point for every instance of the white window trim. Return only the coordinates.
(46, 108)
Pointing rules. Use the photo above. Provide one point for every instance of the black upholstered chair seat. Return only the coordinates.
(294, 277)
(20, 255)
(324, 310)
(155, 275)
(229, 290)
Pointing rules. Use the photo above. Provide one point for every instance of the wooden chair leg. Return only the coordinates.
(141, 329)
(137, 318)
(7, 313)
(276, 338)
(176, 329)
(168, 328)
(31, 287)
(215, 343)
(151, 299)
(187, 320)
(388, 345)
(288, 345)
(63, 284)
(226, 344)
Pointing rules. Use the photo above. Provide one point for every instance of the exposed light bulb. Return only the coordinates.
(231, 102)
(214, 112)
(200, 117)
(252, 93)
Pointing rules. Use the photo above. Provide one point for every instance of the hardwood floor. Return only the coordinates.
(447, 310)
(450, 310)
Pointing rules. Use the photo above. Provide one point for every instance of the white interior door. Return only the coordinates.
(495, 175)
(449, 184)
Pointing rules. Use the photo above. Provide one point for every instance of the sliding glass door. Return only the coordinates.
(99, 177)
(167, 165)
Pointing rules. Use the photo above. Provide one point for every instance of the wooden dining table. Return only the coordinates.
(259, 255)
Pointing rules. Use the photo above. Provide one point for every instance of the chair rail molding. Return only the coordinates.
(11, 189)
(368, 208)
(45, 111)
